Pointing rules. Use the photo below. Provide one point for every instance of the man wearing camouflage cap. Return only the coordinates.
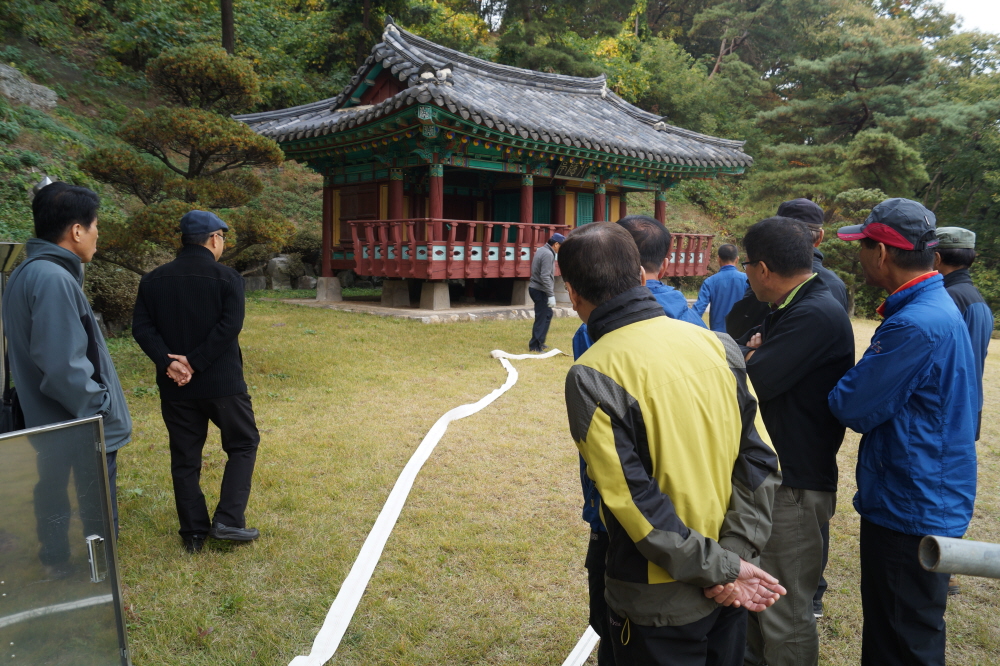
(956, 252)
(914, 395)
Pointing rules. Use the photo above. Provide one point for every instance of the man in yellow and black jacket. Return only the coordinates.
(667, 423)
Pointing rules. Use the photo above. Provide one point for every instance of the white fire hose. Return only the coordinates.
(347, 599)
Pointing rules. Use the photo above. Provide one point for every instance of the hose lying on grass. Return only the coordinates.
(346, 601)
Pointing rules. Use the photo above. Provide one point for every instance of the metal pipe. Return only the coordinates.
(960, 556)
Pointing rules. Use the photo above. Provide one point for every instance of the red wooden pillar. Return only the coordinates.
(622, 205)
(327, 270)
(527, 199)
(560, 207)
(600, 202)
(436, 209)
(661, 207)
(395, 194)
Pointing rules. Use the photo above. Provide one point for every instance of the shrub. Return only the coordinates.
(10, 162)
(307, 244)
(9, 130)
(112, 291)
(30, 158)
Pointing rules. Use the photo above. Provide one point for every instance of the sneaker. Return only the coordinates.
(817, 608)
(953, 586)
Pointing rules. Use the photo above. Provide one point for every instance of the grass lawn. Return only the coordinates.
(486, 563)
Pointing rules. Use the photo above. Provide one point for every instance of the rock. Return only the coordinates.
(306, 282)
(255, 283)
(346, 279)
(18, 89)
(278, 270)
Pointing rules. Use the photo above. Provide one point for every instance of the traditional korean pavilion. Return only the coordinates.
(440, 166)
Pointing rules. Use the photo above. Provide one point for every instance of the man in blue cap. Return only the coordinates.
(188, 317)
(915, 397)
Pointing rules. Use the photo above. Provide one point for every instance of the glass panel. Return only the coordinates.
(61, 601)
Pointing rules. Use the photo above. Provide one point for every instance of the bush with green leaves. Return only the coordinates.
(112, 291)
(9, 131)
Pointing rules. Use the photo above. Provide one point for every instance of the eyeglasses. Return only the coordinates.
(221, 236)
(744, 264)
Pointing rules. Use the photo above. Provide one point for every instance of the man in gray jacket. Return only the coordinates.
(58, 358)
(542, 290)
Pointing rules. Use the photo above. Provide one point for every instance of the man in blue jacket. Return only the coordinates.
(721, 290)
(653, 241)
(914, 395)
(59, 360)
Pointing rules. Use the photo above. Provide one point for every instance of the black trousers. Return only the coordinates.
(187, 425)
(716, 640)
(543, 317)
(903, 604)
(597, 555)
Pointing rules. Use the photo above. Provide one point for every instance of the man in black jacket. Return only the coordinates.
(749, 312)
(794, 359)
(188, 317)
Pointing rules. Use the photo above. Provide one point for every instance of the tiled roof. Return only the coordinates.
(552, 108)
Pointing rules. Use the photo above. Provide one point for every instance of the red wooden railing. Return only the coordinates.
(689, 254)
(436, 249)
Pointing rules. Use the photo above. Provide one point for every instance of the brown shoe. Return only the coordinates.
(953, 587)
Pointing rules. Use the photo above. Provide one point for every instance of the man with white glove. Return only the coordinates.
(541, 288)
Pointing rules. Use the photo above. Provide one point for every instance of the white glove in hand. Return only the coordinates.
(552, 301)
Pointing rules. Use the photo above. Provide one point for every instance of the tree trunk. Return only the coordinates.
(228, 28)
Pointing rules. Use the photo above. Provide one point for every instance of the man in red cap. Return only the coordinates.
(914, 396)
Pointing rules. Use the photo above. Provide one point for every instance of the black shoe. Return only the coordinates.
(194, 544)
(817, 608)
(224, 533)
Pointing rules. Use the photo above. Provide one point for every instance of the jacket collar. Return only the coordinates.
(909, 291)
(801, 290)
(961, 276)
(36, 247)
(635, 305)
(728, 267)
(656, 285)
(199, 251)
(818, 255)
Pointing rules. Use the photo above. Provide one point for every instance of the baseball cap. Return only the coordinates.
(199, 222)
(802, 210)
(557, 238)
(901, 223)
(955, 238)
